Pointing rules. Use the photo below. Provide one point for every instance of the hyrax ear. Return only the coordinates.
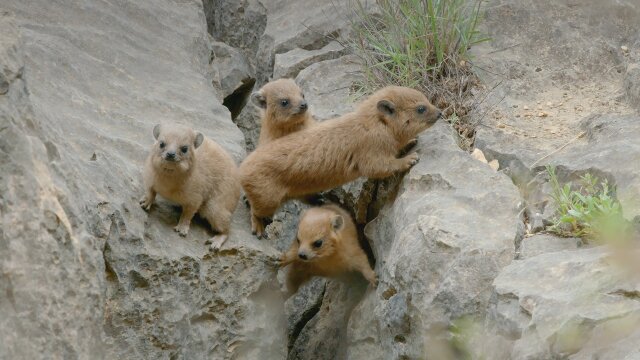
(259, 100)
(386, 107)
(156, 131)
(337, 222)
(198, 141)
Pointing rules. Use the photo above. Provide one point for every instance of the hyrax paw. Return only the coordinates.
(182, 230)
(217, 241)
(413, 142)
(411, 160)
(145, 203)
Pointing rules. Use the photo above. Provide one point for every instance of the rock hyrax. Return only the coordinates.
(284, 109)
(365, 142)
(193, 171)
(326, 245)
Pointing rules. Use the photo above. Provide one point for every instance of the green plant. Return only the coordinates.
(590, 211)
(421, 44)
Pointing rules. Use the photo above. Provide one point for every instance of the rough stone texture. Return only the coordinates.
(232, 75)
(305, 24)
(85, 272)
(238, 23)
(555, 304)
(544, 243)
(436, 251)
(289, 64)
(576, 72)
(328, 85)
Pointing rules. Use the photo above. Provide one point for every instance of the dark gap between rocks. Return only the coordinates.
(238, 99)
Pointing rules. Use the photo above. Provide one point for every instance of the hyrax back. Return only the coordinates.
(283, 108)
(329, 154)
(326, 245)
(193, 171)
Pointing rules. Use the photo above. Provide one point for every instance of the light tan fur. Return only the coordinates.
(284, 110)
(204, 179)
(362, 143)
(339, 251)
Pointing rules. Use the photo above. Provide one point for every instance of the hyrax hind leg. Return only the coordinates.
(361, 263)
(219, 217)
(263, 206)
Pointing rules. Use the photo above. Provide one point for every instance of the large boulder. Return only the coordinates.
(582, 303)
(86, 272)
(438, 245)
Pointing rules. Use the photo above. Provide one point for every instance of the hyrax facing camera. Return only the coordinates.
(193, 171)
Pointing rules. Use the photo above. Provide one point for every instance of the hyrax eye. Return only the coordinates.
(317, 243)
(284, 102)
(162, 144)
(184, 149)
(421, 109)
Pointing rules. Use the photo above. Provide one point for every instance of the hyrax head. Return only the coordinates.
(282, 100)
(406, 111)
(174, 147)
(318, 233)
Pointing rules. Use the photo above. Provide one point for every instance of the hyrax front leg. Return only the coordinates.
(361, 264)
(387, 166)
(185, 220)
(147, 199)
(290, 256)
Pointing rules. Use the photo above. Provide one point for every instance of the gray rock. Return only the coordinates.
(306, 24)
(78, 255)
(632, 84)
(433, 265)
(238, 23)
(544, 243)
(568, 301)
(233, 75)
(289, 64)
(328, 86)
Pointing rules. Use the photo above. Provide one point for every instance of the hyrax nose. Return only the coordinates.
(440, 115)
(302, 256)
(303, 105)
(170, 155)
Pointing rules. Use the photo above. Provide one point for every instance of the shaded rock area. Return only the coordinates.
(465, 268)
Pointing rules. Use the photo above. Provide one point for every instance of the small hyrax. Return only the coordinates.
(326, 245)
(187, 168)
(365, 142)
(284, 110)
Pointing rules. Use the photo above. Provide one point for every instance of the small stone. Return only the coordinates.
(539, 107)
(624, 48)
(526, 107)
(549, 103)
(517, 115)
(542, 114)
(501, 126)
(538, 69)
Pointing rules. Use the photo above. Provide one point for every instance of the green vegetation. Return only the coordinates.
(421, 44)
(590, 211)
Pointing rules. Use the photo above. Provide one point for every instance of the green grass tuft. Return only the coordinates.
(420, 44)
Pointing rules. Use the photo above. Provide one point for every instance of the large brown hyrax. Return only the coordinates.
(193, 171)
(362, 143)
(326, 245)
(283, 108)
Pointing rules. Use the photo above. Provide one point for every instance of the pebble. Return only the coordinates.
(501, 126)
(526, 107)
(549, 103)
(542, 114)
(624, 48)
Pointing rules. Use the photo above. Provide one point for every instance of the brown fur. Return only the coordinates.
(329, 154)
(202, 180)
(279, 119)
(339, 252)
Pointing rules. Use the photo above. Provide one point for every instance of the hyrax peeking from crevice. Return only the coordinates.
(284, 109)
(365, 142)
(326, 245)
(193, 171)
